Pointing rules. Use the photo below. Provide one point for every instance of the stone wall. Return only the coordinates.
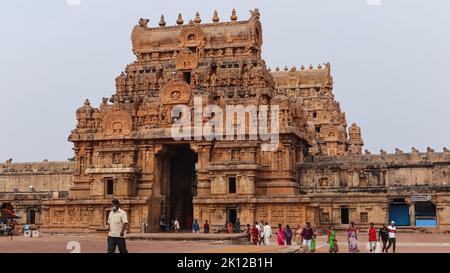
(43, 176)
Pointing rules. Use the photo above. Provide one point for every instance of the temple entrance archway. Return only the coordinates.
(178, 169)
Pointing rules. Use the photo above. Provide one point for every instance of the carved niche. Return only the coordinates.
(191, 36)
(118, 122)
(175, 93)
(186, 60)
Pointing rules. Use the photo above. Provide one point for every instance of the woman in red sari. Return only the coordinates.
(280, 235)
(255, 234)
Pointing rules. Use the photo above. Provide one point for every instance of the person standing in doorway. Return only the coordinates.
(117, 223)
(267, 234)
(372, 232)
(237, 226)
(230, 227)
(392, 236)
(176, 225)
(195, 227)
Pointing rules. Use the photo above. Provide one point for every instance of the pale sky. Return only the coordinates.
(390, 62)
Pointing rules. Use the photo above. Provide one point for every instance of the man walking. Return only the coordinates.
(267, 234)
(392, 236)
(383, 236)
(307, 234)
(372, 232)
(117, 222)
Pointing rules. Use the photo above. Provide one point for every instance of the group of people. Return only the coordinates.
(7, 229)
(260, 234)
(175, 226)
(196, 227)
(386, 235)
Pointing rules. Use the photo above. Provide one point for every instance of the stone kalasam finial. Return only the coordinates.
(302, 67)
(233, 16)
(286, 68)
(87, 103)
(215, 17)
(310, 66)
(277, 68)
(430, 150)
(180, 20)
(269, 69)
(162, 22)
(293, 68)
(197, 19)
(319, 66)
(367, 152)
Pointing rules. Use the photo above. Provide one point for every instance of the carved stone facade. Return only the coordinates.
(124, 148)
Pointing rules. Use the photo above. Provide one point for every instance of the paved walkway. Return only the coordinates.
(413, 242)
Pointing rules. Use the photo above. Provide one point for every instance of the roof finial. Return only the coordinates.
(310, 66)
(162, 22)
(215, 17)
(180, 20)
(233, 16)
(197, 19)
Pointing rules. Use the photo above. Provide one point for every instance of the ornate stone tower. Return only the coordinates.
(127, 149)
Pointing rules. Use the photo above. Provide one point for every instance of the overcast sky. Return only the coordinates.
(390, 62)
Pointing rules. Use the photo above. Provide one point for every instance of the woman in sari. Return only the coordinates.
(280, 235)
(248, 232)
(352, 234)
(255, 234)
(288, 235)
(330, 239)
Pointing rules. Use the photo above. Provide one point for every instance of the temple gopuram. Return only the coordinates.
(318, 172)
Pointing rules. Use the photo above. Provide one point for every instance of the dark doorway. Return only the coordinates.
(187, 77)
(232, 216)
(344, 216)
(31, 217)
(182, 163)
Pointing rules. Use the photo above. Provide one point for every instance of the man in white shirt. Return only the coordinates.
(261, 232)
(176, 225)
(392, 236)
(267, 234)
(117, 222)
